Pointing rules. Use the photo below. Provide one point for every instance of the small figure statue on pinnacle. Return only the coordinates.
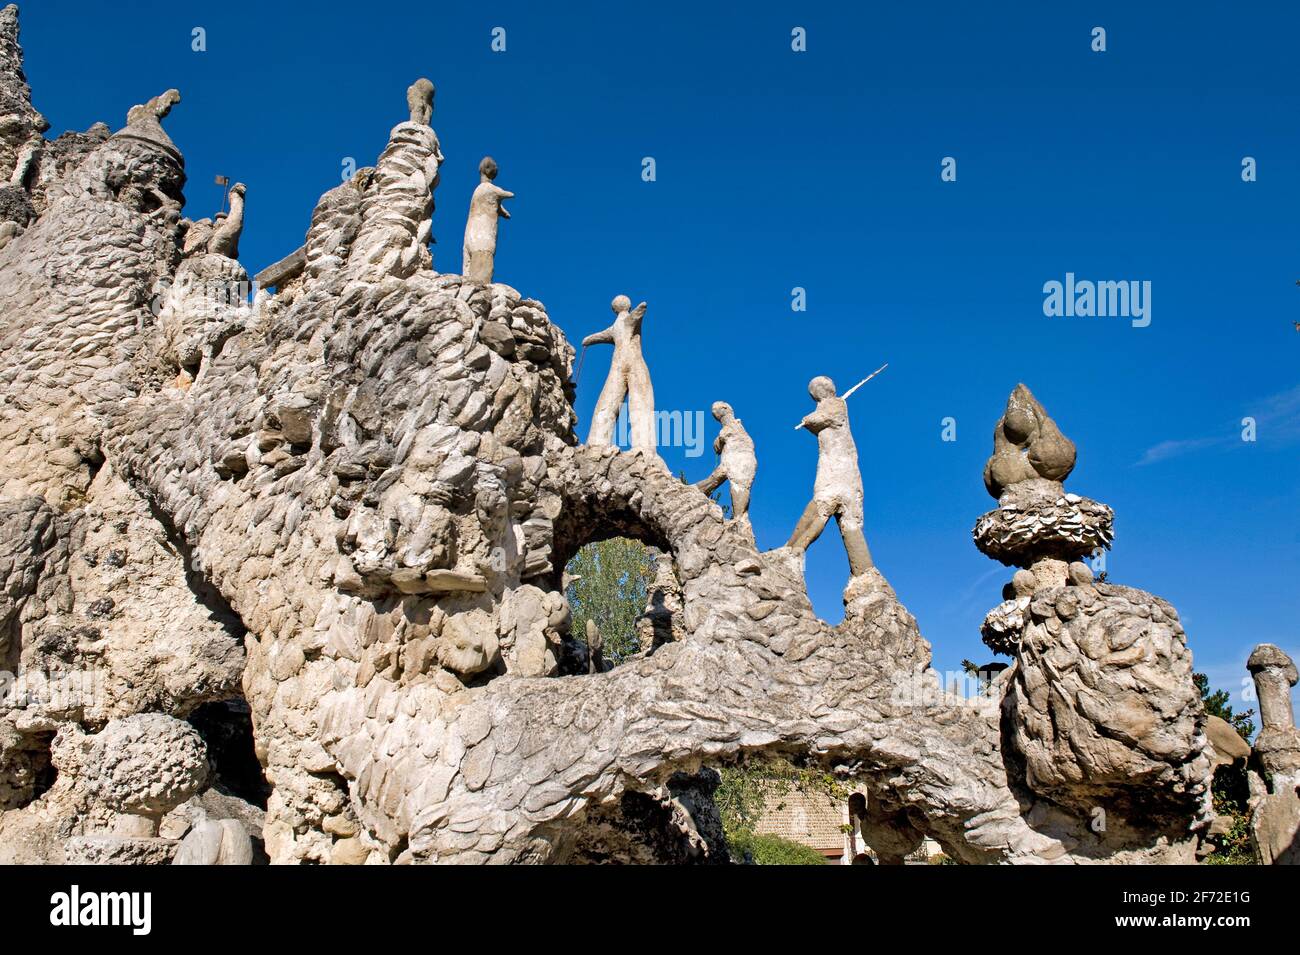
(485, 208)
(225, 235)
(419, 99)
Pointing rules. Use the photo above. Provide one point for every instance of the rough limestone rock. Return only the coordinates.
(215, 842)
(1228, 746)
(20, 124)
(112, 789)
(351, 503)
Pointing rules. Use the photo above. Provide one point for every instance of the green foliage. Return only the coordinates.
(983, 673)
(1236, 847)
(1229, 789)
(1216, 704)
(750, 787)
(615, 577)
(772, 850)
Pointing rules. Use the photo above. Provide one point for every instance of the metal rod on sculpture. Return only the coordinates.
(855, 387)
(864, 381)
(225, 195)
(578, 374)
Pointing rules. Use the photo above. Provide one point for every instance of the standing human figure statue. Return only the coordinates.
(419, 100)
(595, 648)
(628, 377)
(737, 462)
(837, 490)
(485, 208)
(226, 233)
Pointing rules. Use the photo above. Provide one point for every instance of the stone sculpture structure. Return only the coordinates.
(486, 206)
(1100, 706)
(419, 100)
(225, 236)
(595, 649)
(144, 122)
(837, 490)
(1036, 524)
(1275, 766)
(347, 511)
(628, 378)
(23, 125)
(737, 462)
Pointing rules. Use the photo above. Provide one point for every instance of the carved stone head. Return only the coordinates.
(821, 387)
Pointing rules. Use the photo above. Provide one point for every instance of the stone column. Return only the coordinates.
(1275, 769)
(1274, 674)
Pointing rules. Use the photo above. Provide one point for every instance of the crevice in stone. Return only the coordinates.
(204, 592)
(227, 729)
(28, 770)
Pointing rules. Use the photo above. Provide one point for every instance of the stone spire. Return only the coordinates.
(1102, 694)
(20, 123)
(1278, 744)
(396, 212)
(1275, 772)
(1036, 524)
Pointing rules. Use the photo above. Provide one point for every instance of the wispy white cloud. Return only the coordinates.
(1277, 420)
(1172, 449)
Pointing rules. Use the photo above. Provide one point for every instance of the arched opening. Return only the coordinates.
(616, 567)
(608, 585)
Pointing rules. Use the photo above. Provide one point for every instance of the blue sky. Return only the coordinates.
(821, 170)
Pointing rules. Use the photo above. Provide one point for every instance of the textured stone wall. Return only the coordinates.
(351, 504)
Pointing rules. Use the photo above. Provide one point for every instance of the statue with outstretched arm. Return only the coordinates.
(628, 377)
(837, 491)
(485, 209)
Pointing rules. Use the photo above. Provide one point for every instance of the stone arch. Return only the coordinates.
(606, 492)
